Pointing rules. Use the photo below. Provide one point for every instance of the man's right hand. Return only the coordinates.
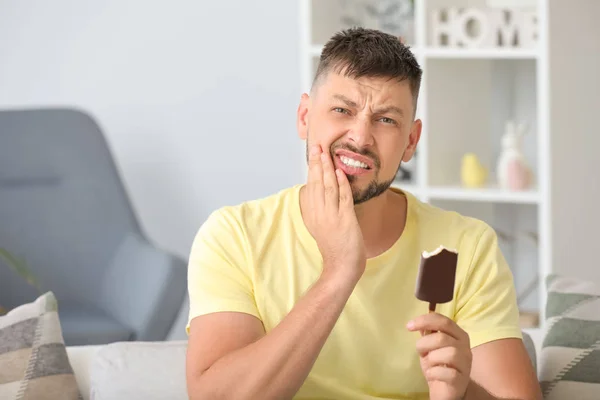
(332, 220)
(226, 347)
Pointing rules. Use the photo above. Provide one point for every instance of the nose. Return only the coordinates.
(360, 133)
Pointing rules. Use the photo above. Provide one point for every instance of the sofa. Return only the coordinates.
(142, 370)
(565, 354)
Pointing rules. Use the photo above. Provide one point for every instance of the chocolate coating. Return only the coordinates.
(435, 281)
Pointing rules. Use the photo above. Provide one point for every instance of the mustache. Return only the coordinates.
(362, 152)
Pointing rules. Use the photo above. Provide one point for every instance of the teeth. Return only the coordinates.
(353, 163)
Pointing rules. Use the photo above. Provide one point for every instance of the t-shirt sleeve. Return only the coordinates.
(219, 277)
(487, 307)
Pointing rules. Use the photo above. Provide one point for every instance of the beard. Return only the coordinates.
(375, 187)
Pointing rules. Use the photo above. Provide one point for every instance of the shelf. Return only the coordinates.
(484, 195)
(500, 54)
(457, 53)
(467, 96)
(488, 195)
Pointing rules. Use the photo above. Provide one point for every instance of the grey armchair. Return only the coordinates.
(64, 209)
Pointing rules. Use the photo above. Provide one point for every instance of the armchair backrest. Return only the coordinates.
(62, 204)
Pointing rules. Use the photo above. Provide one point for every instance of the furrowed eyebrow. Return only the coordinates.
(346, 100)
(387, 109)
(381, 110)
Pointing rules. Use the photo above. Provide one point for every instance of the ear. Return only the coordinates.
(302, 117)
(413, 140)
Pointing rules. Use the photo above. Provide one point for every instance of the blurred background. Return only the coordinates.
(124, 124)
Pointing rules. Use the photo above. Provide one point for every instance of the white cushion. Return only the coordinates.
(81, 358)
(140, 370)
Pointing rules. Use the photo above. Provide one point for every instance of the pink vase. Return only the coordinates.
(518, 175)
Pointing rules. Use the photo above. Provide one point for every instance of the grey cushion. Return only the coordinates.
(570, 355)
(33, 358)
(140, 370)
(87, 325)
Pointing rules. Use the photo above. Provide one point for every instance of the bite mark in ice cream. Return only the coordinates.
(437, 273)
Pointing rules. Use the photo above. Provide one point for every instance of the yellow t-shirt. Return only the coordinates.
(259, 258)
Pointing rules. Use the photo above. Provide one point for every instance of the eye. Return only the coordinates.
(340, 110)
(387, 120)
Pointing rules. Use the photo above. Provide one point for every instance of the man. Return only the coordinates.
(309, 293)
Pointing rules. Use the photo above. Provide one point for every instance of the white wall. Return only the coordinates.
(197, 98)
(574, 108)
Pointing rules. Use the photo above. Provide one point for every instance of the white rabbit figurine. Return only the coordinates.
(513, 173)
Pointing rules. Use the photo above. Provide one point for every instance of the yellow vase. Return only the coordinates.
(473, 173)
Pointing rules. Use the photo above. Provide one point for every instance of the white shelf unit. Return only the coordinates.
(466, 97)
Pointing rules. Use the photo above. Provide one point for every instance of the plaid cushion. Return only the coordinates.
(33, 358)
(570, 355)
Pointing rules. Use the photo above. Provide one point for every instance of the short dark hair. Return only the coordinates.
(361, 52)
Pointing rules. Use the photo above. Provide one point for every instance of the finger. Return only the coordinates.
(313, 155)
(315, 173)
(447, 357)
(435, 341)
(329, 181)
(345, 191)
(435, 322)
(443, 374)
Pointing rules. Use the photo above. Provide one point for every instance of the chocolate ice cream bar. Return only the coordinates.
(437, 272)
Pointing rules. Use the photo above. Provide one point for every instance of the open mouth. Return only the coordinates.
(353, 159)
(353, 163)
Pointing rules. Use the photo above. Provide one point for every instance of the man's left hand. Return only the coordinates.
(445, 356)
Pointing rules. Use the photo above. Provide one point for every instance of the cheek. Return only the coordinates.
(391, 154)
(325, 132)
(391, 165)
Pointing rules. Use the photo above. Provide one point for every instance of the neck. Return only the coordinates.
(382, 221)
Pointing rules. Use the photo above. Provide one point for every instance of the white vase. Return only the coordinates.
(513, 172)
